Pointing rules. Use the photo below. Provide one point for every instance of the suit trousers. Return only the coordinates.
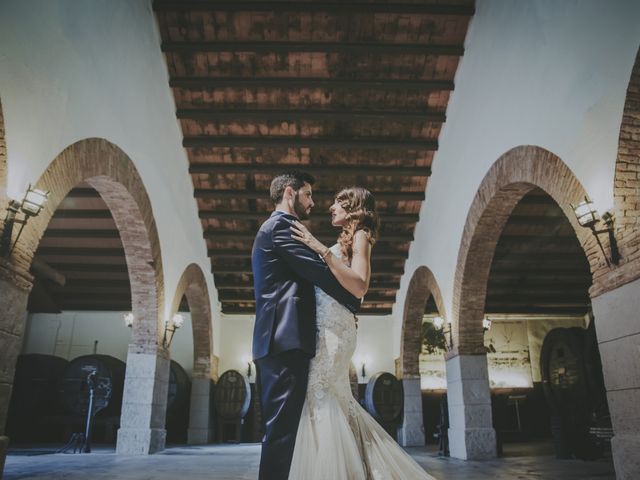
(282, 385)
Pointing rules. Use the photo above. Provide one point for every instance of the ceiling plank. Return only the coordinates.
(282, 141)
(283, 47)
(342, 115)
(256, 195)
(341, 8)
(212, 83)
(358, 170)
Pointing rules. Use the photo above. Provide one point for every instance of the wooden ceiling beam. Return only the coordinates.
(234, 310)
(81, 233)
(283, 47)
(332, 7)
(82, 213)
(212, 83)
(205, 193)
(282, 141)
(90, 267)
(324, 236)
(236, 253)
(274, 169)
(343, 115)
(80, 252)
(259, 216)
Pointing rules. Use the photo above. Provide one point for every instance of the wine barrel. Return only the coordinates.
(73, 388)
(34, 397)
(232, 396)
(562, 366)
(384, 397)
(35, 385)
(179, 392)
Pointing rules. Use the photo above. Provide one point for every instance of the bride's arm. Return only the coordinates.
(355, 278)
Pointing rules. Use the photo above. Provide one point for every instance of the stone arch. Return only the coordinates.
(422, 285)
(193, 285)
(511, 177)
(111, 172)
(626, 191)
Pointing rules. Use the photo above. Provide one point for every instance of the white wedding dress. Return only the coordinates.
(337, 439)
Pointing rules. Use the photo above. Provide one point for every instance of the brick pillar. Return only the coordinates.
(618, 332)
(14, 293)
(200, 421)
(411, 432)
(144, 402)
(471, 433)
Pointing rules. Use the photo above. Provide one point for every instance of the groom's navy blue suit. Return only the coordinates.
(284, 337)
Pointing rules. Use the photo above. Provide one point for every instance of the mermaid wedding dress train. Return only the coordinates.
(337, 439)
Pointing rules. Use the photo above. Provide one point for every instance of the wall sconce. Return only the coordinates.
(128, 319)
(439, 323)
(588, 217)
(30, 206)
(363, 372)
(486, 324)
(247, 359)
(171, 325)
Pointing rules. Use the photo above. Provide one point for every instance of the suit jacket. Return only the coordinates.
(284, 274)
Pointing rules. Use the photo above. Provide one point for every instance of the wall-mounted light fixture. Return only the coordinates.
(486, 324)
(128, 319)
(588, 217)
(440, 323)
(363, 371)
(30, 206)
(247, 359)
(171, 325)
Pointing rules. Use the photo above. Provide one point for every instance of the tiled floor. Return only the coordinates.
(222, 462)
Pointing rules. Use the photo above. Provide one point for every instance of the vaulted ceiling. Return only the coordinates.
(353, 92)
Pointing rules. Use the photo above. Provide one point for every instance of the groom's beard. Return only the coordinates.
(301, 212)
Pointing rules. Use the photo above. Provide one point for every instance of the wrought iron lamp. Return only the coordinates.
(30, 206)
(439, 323)
(128, 319)
(171, 325)
(588, 217)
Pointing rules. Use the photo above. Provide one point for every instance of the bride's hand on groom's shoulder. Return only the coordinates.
(302, 234)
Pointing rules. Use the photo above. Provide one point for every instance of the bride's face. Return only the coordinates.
(338, 214)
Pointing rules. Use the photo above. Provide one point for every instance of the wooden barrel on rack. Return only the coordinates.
(384, 397)
(232, 399)
(73, 389)
(34, 396)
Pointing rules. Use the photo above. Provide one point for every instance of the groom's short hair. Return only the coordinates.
(293, 178)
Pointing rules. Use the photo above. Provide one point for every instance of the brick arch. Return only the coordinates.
(511, 177)
(626, 191)
(111, 172)
(422, 285)
(193, 285)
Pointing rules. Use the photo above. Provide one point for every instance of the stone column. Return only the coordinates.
(144, 402)
(200, 427)
(618, 330)
(14, 293)
(411, 432)
(471, 432)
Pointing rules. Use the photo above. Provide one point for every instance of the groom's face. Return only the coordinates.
(302, 202)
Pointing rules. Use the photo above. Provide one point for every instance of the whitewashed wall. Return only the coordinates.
(71, 70)
(72, 334)
(551, 73)
(514, 358)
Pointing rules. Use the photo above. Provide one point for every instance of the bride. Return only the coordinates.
(337, 439)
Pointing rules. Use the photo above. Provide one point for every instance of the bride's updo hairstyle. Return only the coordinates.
(361, 215)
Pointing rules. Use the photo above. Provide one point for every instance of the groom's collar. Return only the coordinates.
(281, 212)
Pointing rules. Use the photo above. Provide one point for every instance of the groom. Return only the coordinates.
(284, 337)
